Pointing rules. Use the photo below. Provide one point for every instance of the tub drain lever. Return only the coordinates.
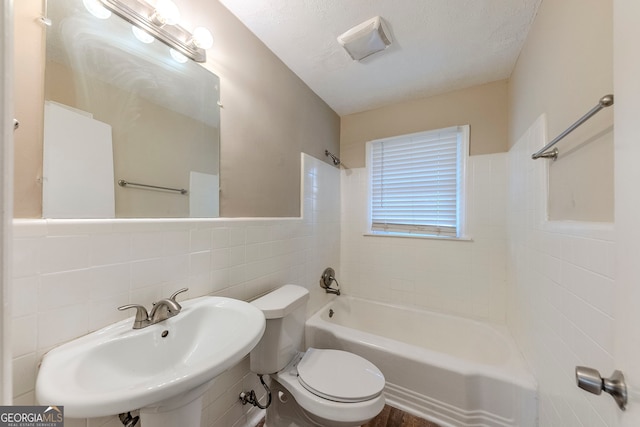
(589, 379)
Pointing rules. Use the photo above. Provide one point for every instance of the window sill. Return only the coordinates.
(419, 236)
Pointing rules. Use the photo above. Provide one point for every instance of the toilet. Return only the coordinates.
(316, 387)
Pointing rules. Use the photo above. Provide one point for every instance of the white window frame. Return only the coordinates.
(462, 232)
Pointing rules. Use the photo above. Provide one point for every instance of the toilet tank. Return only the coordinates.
(284, 310)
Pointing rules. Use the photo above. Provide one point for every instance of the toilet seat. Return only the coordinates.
(339, 376)
(321, 404)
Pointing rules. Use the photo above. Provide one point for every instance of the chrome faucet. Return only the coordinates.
(162, 310)
(166, 308)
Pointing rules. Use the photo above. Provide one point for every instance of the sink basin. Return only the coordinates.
(118, 369)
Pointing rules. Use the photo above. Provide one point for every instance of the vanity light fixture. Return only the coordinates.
(166, 13)
(202, 38)
(160, 21)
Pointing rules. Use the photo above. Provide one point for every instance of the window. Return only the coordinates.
(417, 183)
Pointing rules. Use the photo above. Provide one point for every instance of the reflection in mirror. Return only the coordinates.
(121, 106)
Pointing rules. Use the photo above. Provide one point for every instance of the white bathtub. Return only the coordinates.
(450, 370)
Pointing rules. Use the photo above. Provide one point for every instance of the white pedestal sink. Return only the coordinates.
(163, 369)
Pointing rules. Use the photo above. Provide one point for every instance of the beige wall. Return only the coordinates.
(269, 116)
(29, 108)
(482, 107)
(565, 67)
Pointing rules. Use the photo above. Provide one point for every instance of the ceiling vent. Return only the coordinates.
(365, 39)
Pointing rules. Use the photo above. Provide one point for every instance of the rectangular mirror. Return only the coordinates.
(120, 106)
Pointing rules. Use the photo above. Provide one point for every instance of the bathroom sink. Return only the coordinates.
(118, 369)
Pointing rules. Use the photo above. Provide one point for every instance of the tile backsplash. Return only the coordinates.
(70, 276)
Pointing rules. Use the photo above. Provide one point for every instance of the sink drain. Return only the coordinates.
(164, 334)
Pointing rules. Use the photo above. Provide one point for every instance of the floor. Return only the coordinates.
(392, 417)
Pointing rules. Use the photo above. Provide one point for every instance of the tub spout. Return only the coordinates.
(332, 291)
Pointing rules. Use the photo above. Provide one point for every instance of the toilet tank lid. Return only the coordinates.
(282, 301)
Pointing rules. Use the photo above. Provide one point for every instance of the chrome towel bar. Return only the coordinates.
(605, 101)
(123, 183)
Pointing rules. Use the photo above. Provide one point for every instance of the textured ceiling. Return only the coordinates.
(438, 45)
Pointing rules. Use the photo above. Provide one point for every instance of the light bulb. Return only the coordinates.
(142, 35)
(178, 56)
(167, 13)
(97, 9)
(202, 38)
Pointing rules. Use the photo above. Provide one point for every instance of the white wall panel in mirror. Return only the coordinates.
(77, 178)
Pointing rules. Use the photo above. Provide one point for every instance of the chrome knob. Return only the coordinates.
(589, 379)
(328, 276)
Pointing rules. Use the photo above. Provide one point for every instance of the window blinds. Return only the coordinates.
(414, 183)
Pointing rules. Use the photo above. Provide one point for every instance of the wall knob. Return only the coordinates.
(589, 379)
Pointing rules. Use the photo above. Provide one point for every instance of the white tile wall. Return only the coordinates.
(71, 275)
(461, 277)
(560, 292)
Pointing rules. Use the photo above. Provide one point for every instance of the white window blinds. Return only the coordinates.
(416, 182)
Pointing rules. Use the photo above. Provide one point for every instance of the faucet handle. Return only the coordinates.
(142, 316)
(175, 294)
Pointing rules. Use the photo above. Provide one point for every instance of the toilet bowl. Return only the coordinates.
(316, 387)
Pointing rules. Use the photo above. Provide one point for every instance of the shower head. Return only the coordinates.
(336, 160)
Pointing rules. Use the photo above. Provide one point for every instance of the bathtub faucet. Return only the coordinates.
(327, 278)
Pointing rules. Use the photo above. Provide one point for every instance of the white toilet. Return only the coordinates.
(316, 387)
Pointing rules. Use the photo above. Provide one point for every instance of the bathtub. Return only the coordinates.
(451, 370)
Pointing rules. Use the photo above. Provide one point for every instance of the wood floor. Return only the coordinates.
(392, 417)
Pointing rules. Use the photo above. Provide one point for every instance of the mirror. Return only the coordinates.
(123, 107)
